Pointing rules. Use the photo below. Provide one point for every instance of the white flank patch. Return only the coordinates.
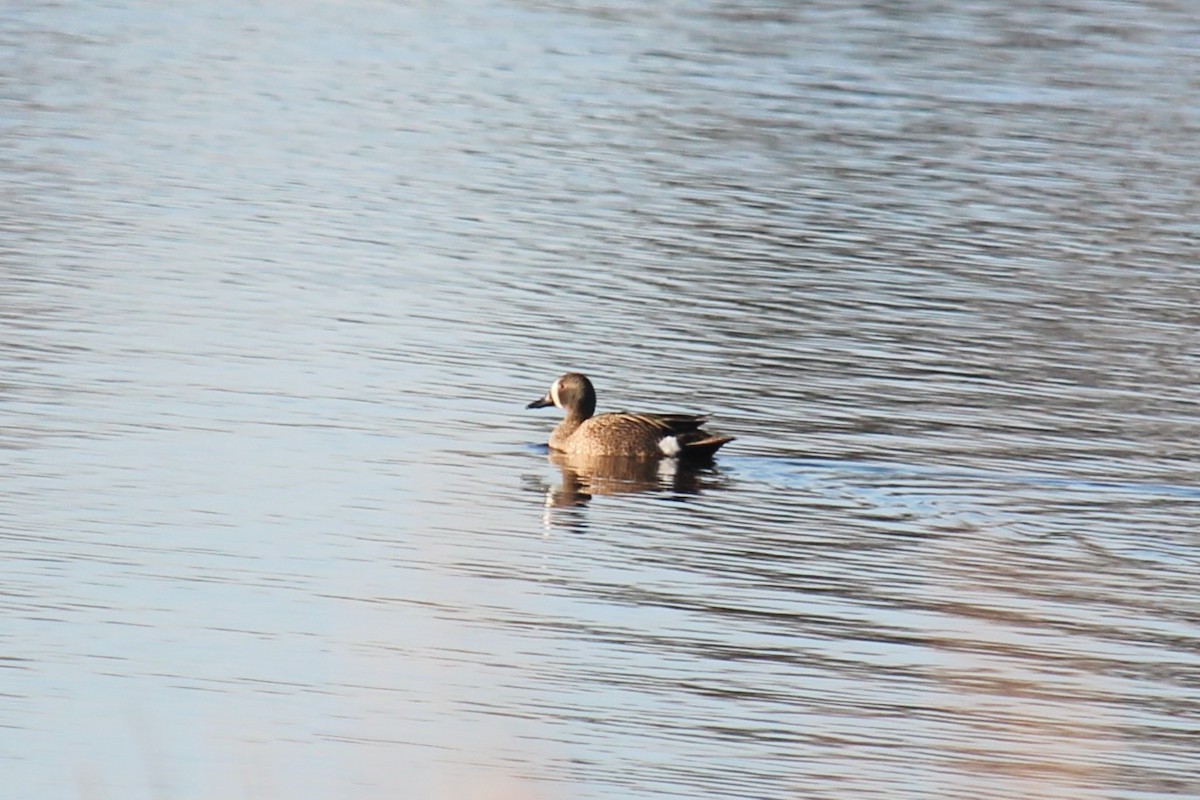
(669, 446)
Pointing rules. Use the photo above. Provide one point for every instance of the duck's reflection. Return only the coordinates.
(584, 477)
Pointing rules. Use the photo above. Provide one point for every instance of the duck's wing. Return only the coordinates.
(660, 424)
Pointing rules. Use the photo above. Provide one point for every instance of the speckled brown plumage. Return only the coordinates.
(622, 433)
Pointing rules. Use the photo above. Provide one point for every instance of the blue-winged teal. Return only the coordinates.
(622, 433)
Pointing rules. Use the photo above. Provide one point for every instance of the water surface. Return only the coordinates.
(276, 282)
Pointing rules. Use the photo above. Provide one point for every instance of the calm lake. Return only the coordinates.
(277, 281)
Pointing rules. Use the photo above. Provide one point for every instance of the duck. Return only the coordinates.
(582, 432)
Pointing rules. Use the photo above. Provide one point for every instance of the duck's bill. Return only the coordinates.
(541, 402)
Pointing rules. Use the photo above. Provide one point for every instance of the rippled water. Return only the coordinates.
(277, 280)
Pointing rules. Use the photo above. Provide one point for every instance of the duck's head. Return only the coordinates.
(572, 393)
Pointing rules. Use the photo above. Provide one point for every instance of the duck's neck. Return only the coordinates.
(568, 426)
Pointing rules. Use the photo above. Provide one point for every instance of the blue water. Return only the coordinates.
(276, 283)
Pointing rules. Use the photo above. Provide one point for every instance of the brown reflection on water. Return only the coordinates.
(584, 477)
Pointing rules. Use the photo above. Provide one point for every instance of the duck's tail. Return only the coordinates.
(704, 447)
